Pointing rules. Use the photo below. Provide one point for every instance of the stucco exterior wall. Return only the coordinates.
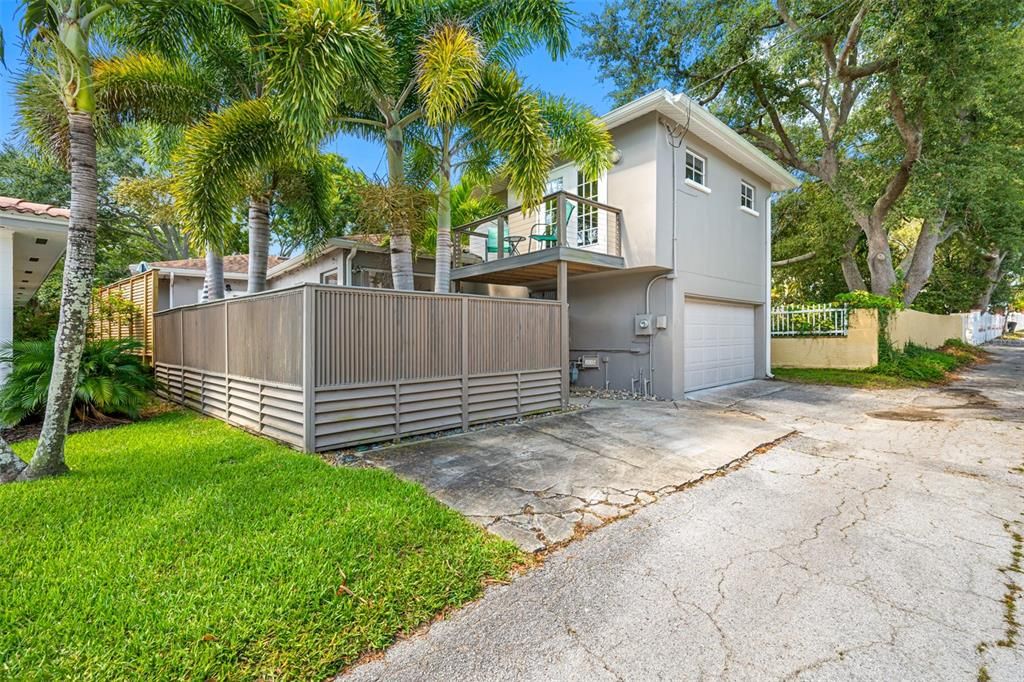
(601, 323)
(857, 350)
(923, 329)
(329, 262)
(721, 247)
(633, 187)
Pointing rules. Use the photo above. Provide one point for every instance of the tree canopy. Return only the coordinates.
(875, 104)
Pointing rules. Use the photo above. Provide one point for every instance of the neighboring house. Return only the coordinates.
(359, 260)
(666, 256)
(32, 240)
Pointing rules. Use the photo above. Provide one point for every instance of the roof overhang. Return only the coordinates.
(39, 242)
(705, 125)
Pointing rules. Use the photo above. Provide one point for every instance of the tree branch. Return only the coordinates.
(911, 135)
(780, 130)
(795, 259)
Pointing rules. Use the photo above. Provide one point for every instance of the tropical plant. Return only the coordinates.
(434, 60)
(493, 125)
(246, 150)
(112, 380)
(59, 32)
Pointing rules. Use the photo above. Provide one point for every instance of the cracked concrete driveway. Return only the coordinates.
(865, 547)
(538, 482)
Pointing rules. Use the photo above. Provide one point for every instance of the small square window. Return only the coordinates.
(747, 196)
(695, 168)
(329, 277)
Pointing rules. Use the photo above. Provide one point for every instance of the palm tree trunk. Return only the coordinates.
(214, 275)
(11, 465)
(79, 265)
(443, 250)
(259, 243)
(401, 242)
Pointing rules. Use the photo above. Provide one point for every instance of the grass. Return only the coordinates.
(181, 548)
(914, 366)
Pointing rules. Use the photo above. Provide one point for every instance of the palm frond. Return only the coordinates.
(42, 115)
(168, 27)
(511, 28)
(449, 64)
(141, 87)
(308, 189)
(217, 161)
(321, 49)
(509, 118)
(577, 134)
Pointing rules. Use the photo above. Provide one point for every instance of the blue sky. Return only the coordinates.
(572, 77)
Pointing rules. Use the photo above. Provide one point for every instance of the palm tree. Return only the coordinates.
(492, 123)
(245, 150)
(60, 31)
(393, 97)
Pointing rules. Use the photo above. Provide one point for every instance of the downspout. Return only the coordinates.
(170, 303)
(768, 286)
(349, 257)
(671, 276)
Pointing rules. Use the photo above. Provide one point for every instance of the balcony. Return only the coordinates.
(584, 234)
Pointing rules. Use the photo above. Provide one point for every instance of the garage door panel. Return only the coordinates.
(719, 345)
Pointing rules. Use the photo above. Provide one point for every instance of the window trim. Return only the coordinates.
(702, 185)
(753, 199)
(327, 273)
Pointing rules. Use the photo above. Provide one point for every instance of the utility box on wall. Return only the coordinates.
(643, 325)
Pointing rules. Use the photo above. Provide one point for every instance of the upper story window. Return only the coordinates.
(329, 277)
(695, 168)
(746, 196)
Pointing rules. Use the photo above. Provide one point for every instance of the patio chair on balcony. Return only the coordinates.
(546, 237)
(492, 242)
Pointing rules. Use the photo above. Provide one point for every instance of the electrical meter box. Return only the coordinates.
(643, 325)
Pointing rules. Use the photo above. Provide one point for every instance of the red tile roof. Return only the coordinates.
(22, 206)
(239, 263)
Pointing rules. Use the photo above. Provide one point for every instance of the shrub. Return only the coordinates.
(921, 364)
(864, 299)
(112, 380)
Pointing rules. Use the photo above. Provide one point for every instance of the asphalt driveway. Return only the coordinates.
(540, 482)
(883, 541)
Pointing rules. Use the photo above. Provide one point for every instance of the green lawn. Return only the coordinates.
(183, 548)
(857, 378)
(913, 366)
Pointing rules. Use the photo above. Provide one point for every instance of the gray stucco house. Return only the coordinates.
(666, 257)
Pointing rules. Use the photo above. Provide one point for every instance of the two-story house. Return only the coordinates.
(664, 259)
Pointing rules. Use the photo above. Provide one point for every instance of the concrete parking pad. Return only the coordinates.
(862, 548)
(537, 482)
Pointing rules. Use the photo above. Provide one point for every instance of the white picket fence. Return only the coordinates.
(810, 320)
(982, 327)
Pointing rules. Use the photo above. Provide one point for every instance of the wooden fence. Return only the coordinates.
(141, 291)
(324, 367)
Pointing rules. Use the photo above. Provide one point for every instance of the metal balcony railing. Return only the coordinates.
(561, 219)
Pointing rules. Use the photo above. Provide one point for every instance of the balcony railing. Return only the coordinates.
(560, 220)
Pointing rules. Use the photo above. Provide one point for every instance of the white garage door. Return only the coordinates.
(719, 346)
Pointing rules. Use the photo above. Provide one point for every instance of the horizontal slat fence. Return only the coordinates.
(239, 360)
(324, 367)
